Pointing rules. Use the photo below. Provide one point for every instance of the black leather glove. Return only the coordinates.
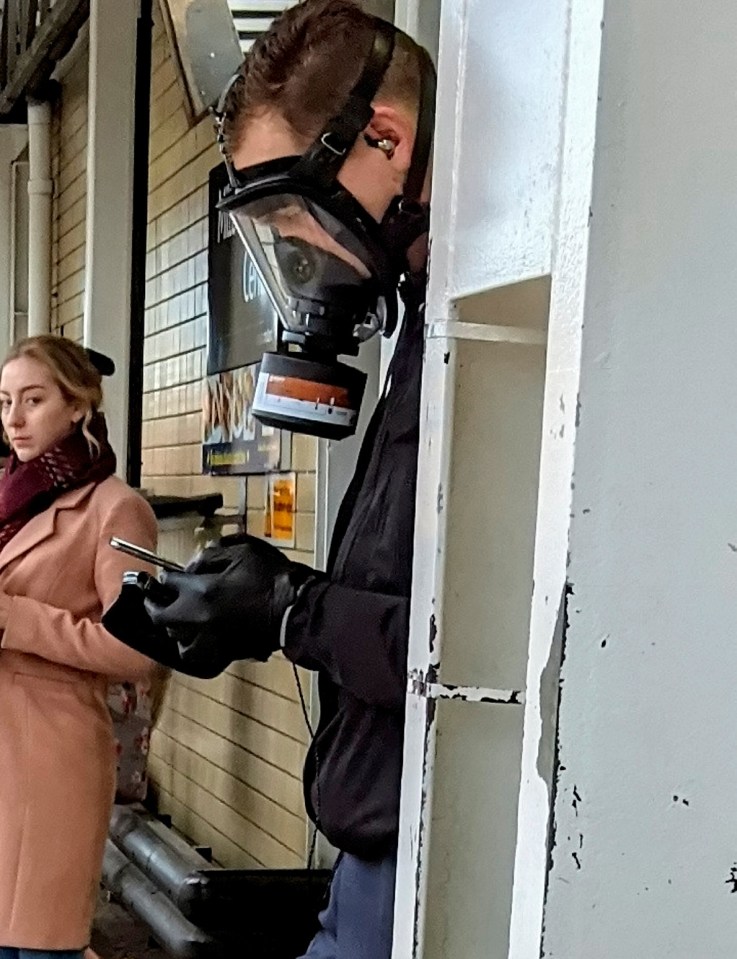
(229, 604)
(128, 621)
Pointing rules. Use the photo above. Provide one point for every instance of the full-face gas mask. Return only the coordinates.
(331, 270)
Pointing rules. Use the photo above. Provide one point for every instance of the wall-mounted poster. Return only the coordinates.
(242, 326)
(233, 441)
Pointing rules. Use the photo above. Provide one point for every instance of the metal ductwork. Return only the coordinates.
(197, 911)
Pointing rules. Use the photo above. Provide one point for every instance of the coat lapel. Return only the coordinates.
(41, 527)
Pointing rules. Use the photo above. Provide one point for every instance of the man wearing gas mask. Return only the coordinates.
(327, 132)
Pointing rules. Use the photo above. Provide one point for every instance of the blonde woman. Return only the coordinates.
(59, 505)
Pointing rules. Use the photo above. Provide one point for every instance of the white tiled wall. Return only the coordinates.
(70, 196)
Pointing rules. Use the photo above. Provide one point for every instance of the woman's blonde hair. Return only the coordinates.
(74, 373)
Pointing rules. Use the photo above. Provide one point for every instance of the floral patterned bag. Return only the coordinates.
(134, 708)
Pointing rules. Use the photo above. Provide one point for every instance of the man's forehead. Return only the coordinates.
(266, 136)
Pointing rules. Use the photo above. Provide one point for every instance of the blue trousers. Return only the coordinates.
(10, 952)
(357, 921)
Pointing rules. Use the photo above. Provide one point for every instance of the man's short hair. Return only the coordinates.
(306, 64)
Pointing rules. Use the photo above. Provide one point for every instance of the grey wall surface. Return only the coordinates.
(645, 842)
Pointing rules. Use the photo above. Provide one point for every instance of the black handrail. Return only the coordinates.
(139, 229)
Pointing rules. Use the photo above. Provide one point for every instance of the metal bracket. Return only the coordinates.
(458, 330)
(418, 685)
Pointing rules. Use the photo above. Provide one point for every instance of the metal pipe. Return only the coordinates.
(173, 866)
(179, 937)
(216, 899)
(40, 190)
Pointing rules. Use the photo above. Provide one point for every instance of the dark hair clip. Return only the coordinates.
(104, 365)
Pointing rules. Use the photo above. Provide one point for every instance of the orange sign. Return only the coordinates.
(281, 503)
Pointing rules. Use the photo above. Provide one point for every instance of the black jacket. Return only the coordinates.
(353, 627)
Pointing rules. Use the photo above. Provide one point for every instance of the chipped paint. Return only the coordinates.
(558, 767)
(421, 684)
(424, 817)
(432, 635)
(548, 698)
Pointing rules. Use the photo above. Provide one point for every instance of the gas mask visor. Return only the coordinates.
(319, 256)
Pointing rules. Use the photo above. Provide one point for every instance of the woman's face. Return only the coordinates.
(35, 413)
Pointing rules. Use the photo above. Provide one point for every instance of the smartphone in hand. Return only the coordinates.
(145, 555)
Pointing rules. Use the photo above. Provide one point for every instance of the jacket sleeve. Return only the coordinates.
(358, 637)
(54, 634)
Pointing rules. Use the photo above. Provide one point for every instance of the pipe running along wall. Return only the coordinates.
(40, 190)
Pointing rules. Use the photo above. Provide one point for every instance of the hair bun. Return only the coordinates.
(104, 365)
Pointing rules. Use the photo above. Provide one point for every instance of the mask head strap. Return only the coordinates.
(409, 218)
(324, 158)
(220, 116)
(425, 126)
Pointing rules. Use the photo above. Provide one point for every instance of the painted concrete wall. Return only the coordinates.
(557, 447)
(645, 841)
(624, 190)
(500, 98)
(502, 65)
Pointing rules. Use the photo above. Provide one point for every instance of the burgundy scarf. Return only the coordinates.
(27, 489)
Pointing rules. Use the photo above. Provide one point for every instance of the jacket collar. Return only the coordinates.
(42, 526)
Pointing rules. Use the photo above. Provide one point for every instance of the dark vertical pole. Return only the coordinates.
(140, 227)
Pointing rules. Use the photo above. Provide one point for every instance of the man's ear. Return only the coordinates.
(395, 129)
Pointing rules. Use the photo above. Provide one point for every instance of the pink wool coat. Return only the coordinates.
(57, 756)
